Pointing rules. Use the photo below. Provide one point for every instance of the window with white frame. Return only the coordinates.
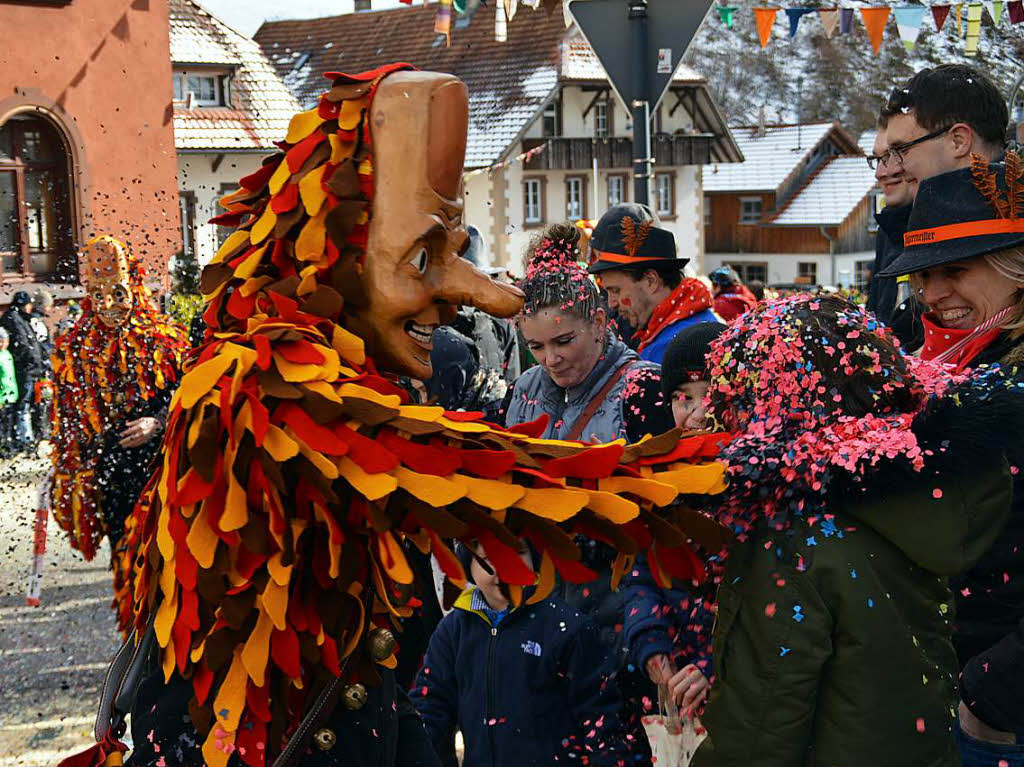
(533, 201)
(601, 119)
(551, 124)
(862, 274)
(807, 272)
(749, 272)
(616, 189)
(206, 89)
(664, 194)
(575, 198)
(750, 210)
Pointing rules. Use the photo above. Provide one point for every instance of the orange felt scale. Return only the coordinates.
(344, 470)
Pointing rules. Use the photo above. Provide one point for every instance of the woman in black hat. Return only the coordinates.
(964, 252)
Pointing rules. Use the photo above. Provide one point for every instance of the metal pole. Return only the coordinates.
(640, 106)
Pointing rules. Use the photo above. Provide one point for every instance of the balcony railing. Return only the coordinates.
(579, 153)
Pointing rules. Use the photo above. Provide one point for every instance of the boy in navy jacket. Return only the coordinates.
(526, 685)
(668, 631)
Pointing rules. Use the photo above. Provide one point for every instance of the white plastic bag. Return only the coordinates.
(673, 740)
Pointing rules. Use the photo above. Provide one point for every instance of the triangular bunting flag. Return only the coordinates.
(443, 21)
(829, 20)
(795, 14)
(845, 21)
(908, 23)
(940, 13)
(996, 10)
(1016, 9)
(765, 20)
(511, 6)
(500, 23)
(874, 22)
(725, 13)
(959, 20)
(973, 29)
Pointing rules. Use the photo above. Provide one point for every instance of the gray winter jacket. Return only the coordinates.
(635, 406)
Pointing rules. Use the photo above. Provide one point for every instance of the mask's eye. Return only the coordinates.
(421, 260)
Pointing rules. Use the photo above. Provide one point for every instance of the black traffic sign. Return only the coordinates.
(670, 27)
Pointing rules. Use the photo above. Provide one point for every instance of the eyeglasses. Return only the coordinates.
(896, 153)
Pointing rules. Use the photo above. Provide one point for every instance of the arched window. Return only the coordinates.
(36, 227)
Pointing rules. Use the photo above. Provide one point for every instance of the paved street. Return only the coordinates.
(53, 656)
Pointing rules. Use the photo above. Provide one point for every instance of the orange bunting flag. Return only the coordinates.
(765, 21)
(874, 21)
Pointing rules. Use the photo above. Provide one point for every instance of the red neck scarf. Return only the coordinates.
(958, 347)
(690, 297)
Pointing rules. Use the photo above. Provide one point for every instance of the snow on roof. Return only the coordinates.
(831, 195)
(769, 158)
(867, 141)
(508, 82)
(261, 105)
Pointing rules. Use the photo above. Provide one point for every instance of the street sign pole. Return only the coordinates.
(640, 58)
(640, 106)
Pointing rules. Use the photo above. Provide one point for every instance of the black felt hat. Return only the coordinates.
(963, 214)
(626, 238)
(685, 355)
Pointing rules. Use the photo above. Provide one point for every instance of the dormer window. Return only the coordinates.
(201, 89)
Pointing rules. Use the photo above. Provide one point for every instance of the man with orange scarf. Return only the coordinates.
(637, 264)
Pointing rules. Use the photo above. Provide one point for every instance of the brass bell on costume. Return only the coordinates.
(354, 697)
(381, 643)
(325, 739)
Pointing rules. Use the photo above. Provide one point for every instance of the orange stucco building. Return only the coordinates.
(86, 142)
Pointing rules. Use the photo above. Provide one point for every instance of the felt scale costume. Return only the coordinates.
(268, 547)
(119, 361)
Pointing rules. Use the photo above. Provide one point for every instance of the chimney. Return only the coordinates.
(363, 5)
(761, 130)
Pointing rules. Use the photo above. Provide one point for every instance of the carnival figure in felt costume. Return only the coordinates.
(115, 371)
(860, 479)
(268, 557)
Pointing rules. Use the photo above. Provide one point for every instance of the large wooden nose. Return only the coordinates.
(465, 285)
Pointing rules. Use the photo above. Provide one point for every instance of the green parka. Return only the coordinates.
(8, 379)
(832, 644)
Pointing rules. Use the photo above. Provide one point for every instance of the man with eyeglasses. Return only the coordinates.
(931, 125)
(940, 118)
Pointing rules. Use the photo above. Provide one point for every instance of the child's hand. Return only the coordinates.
(689, 688)
(659, 668)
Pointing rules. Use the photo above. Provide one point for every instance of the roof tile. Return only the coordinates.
(262, 105)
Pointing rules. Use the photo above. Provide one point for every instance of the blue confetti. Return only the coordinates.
(797, 614)
(811, 541)
(853, 573)
(783, 651)
(871, 602)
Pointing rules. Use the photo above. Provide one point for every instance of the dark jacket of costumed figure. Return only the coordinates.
(268, 543)
(963, 216)
(832, 644)
(119, 362)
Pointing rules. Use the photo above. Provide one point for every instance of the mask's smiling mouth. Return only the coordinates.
(421, 334)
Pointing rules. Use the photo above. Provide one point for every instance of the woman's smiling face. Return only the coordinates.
(964, 294)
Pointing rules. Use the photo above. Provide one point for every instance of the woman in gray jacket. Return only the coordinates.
(590, 385)
(594, 388)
